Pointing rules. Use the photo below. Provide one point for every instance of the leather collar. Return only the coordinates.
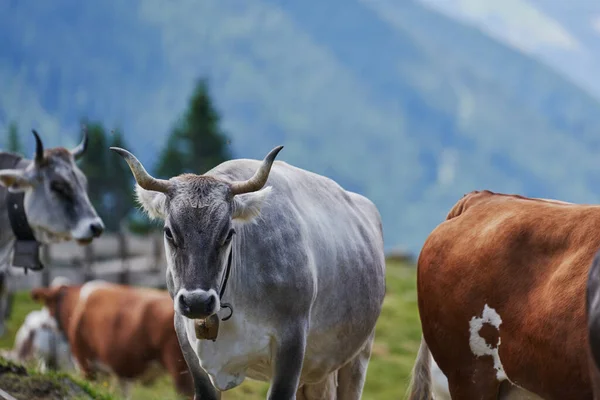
(26, 248)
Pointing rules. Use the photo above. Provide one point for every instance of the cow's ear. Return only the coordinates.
(152, 202)
(15, 180)
(41, 294)
(246, 207)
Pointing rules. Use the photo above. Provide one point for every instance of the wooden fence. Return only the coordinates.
(117, 257)
(120, 257)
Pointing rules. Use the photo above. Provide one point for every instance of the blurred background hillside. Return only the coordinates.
(411, 103)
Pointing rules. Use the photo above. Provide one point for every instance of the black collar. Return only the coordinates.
(224, 284)
(26, 249)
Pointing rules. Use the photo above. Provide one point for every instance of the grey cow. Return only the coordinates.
(55, 201)
(306, 282)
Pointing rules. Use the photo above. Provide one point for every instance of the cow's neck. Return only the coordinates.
(18, 238)
(7, 237)
(237, 277)
(228, 284)
(66, 300)
(224, 283)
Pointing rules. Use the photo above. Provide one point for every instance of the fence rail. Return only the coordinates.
(119, 257)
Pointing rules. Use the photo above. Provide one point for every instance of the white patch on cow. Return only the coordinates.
(478, 345)
(225, 381)
(60, 281)
(241, 343)
(83, 229)
(89, 287)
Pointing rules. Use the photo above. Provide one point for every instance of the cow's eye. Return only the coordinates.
(60, 188)
(229, 236)
(168, 234)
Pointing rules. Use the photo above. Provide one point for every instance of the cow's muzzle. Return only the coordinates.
(87, 230)
(197, 304)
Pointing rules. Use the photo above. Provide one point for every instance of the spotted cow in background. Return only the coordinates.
(593, 319)
(501, 294)
(121, 330)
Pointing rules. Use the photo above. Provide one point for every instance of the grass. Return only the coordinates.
(28, 384)
(397, 339)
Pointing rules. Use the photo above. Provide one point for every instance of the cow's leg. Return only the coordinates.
(477, 381)
(42, 367)
(5, 300)
(594, 376)
(203, 387)
(84, 366)
(125, 388)
(287, 362)
(351, 377)
(80, 352)
(325, 390)
(177, 368)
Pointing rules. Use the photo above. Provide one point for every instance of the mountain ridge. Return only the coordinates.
(392, 100)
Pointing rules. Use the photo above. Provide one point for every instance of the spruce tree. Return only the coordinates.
(196, 143)
(13, 142)
(110, 181)
(93, 165)
(119, 184)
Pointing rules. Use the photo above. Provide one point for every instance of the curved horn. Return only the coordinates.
(39, 148)
(260, 177)
(78, 151)
(143, 178)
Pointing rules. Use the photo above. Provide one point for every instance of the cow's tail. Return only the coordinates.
(420, 384)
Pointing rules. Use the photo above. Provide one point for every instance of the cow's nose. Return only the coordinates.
(197, 304)
(97, 227)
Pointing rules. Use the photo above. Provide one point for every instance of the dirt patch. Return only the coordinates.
(23, 385)
(10, 368)
(34, 388)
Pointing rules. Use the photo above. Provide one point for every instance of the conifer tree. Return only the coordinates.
(196, 143)
(13, 141)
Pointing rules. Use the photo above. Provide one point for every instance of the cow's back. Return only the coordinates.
(593, 322)
(526, 262)
(313, 217)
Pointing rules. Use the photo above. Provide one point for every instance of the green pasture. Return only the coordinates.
(396, 343)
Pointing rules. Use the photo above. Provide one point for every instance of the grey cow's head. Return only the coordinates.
(55, 201)
(198, 213)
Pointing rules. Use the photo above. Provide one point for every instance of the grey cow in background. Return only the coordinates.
(55, 201)
(307, 277)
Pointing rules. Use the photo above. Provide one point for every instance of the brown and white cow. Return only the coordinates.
(123, 330)
(593, 320)
(501, 294)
